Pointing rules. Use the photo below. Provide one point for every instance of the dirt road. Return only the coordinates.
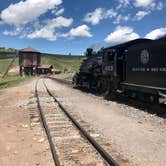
(21, 142)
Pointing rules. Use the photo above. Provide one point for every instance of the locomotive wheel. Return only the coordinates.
(148, 98)
(154, 99)
(105, 86)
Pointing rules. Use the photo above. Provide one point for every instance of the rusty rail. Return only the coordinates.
(43, 120)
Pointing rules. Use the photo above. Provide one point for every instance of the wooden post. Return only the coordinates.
(10, 64)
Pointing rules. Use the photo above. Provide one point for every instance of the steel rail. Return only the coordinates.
(43, 120)
(101, 151)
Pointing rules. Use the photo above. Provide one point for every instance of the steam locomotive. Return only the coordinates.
(136, 68)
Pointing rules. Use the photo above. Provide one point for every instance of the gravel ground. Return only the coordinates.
(21, 143)
(137, 135)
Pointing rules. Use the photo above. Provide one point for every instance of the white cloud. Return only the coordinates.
(11, 33)
(123, 3)
(15, 32)
(94, 17)
(141, 14)
(20, 31)
(120, 18)
(143, 3)
(27, 11)
(109, 14)
(159, 6)
(157, 33)
(149, 4)
(59, 12)
(43, 33)
(82, 31)
(99, 14)
(48, 31)
(121, 34)
(59, 22)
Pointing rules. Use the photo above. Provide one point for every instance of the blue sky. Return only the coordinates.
(70, 26)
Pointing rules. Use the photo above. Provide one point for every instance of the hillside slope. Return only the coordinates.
(63, 63)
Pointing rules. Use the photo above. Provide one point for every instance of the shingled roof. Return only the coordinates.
(29, 49)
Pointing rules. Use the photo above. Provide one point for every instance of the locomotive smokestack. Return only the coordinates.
(89, 52)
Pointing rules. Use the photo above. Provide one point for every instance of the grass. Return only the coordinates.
(11, 80)
(7, 54)
(7, 51)
(4, 64)
(63, 63)
(68, 79)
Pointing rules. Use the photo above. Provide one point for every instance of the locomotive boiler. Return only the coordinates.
(90, 71)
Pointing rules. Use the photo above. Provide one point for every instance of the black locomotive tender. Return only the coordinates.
(136, 68)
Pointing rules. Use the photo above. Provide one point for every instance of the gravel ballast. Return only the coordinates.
(137, 135)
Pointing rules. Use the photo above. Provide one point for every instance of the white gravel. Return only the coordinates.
(137, 135)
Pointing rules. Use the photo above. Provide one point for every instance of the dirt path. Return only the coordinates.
(22, 143)
(137, 135)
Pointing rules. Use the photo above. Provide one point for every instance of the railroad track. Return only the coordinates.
(70, 143)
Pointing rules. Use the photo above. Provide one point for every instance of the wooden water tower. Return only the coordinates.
(29, 60)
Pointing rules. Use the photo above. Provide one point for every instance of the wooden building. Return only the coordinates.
(29, 61)
(44, 69)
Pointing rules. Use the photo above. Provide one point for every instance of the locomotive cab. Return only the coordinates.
(113, 68)
(108, 62)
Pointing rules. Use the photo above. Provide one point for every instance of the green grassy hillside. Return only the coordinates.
(11, 50)
(5, 62)
(6, 54)
(11, 79)
(63, 63)
(60, 63)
